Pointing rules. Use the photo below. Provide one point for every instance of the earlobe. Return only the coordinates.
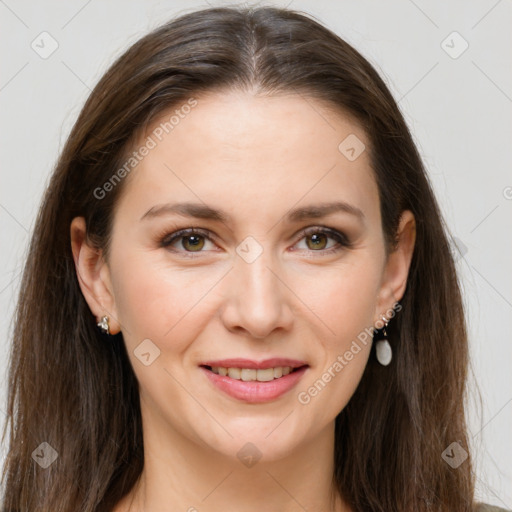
(397, 267)
(93, 275)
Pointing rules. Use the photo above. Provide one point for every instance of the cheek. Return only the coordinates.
(344, 300)
(164, 304)
(345, 303)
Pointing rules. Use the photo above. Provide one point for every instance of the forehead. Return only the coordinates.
(249, 154)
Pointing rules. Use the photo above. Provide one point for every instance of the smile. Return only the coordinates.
(254, 385)
(250, 374)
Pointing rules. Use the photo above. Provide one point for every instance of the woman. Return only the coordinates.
(311, 356)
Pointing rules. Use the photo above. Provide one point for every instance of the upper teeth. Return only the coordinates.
(248, 374)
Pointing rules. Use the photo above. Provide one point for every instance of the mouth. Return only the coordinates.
(252, 374)
(252, 382)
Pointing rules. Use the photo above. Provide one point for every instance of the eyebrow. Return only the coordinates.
(203, 211)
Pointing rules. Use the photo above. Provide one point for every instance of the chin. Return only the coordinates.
(269, 439)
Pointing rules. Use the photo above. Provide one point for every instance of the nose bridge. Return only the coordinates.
(258, 300)
(256, 275)
(253, 270)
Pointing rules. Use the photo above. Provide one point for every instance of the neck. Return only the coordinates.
(193, 477)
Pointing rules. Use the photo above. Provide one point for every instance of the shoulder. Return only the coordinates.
(484, 507)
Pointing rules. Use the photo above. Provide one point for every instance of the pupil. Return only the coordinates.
(316, 240)
(193, 240)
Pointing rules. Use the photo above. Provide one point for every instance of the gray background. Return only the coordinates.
(457, 108)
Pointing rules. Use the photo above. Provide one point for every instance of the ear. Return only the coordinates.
(93, 275)
(396, 270)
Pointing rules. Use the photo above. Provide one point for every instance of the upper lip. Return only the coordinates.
(256, 365)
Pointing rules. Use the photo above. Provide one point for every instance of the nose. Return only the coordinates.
(257, 298)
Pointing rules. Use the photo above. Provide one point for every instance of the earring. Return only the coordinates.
(103, 324)
(383, 348)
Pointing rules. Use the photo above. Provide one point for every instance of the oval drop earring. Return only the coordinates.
(383, 348)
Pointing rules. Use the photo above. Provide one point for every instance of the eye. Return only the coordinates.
(319, 239)
(192, 240)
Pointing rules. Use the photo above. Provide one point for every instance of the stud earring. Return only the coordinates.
(382, 347)
(103, 325)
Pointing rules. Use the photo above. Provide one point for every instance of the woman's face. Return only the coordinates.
(251, 174)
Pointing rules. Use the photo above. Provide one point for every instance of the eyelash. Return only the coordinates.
(341, 238)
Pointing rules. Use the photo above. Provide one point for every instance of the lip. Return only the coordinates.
(255, 365)
(254, 391)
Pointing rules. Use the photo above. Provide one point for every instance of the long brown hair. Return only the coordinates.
(74, 389)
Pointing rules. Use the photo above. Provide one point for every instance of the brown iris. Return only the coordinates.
(317, 241)
(194, 242)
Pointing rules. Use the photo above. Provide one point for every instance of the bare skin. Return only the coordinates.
(255, 158)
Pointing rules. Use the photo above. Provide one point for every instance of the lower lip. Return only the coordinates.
(255, 391)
